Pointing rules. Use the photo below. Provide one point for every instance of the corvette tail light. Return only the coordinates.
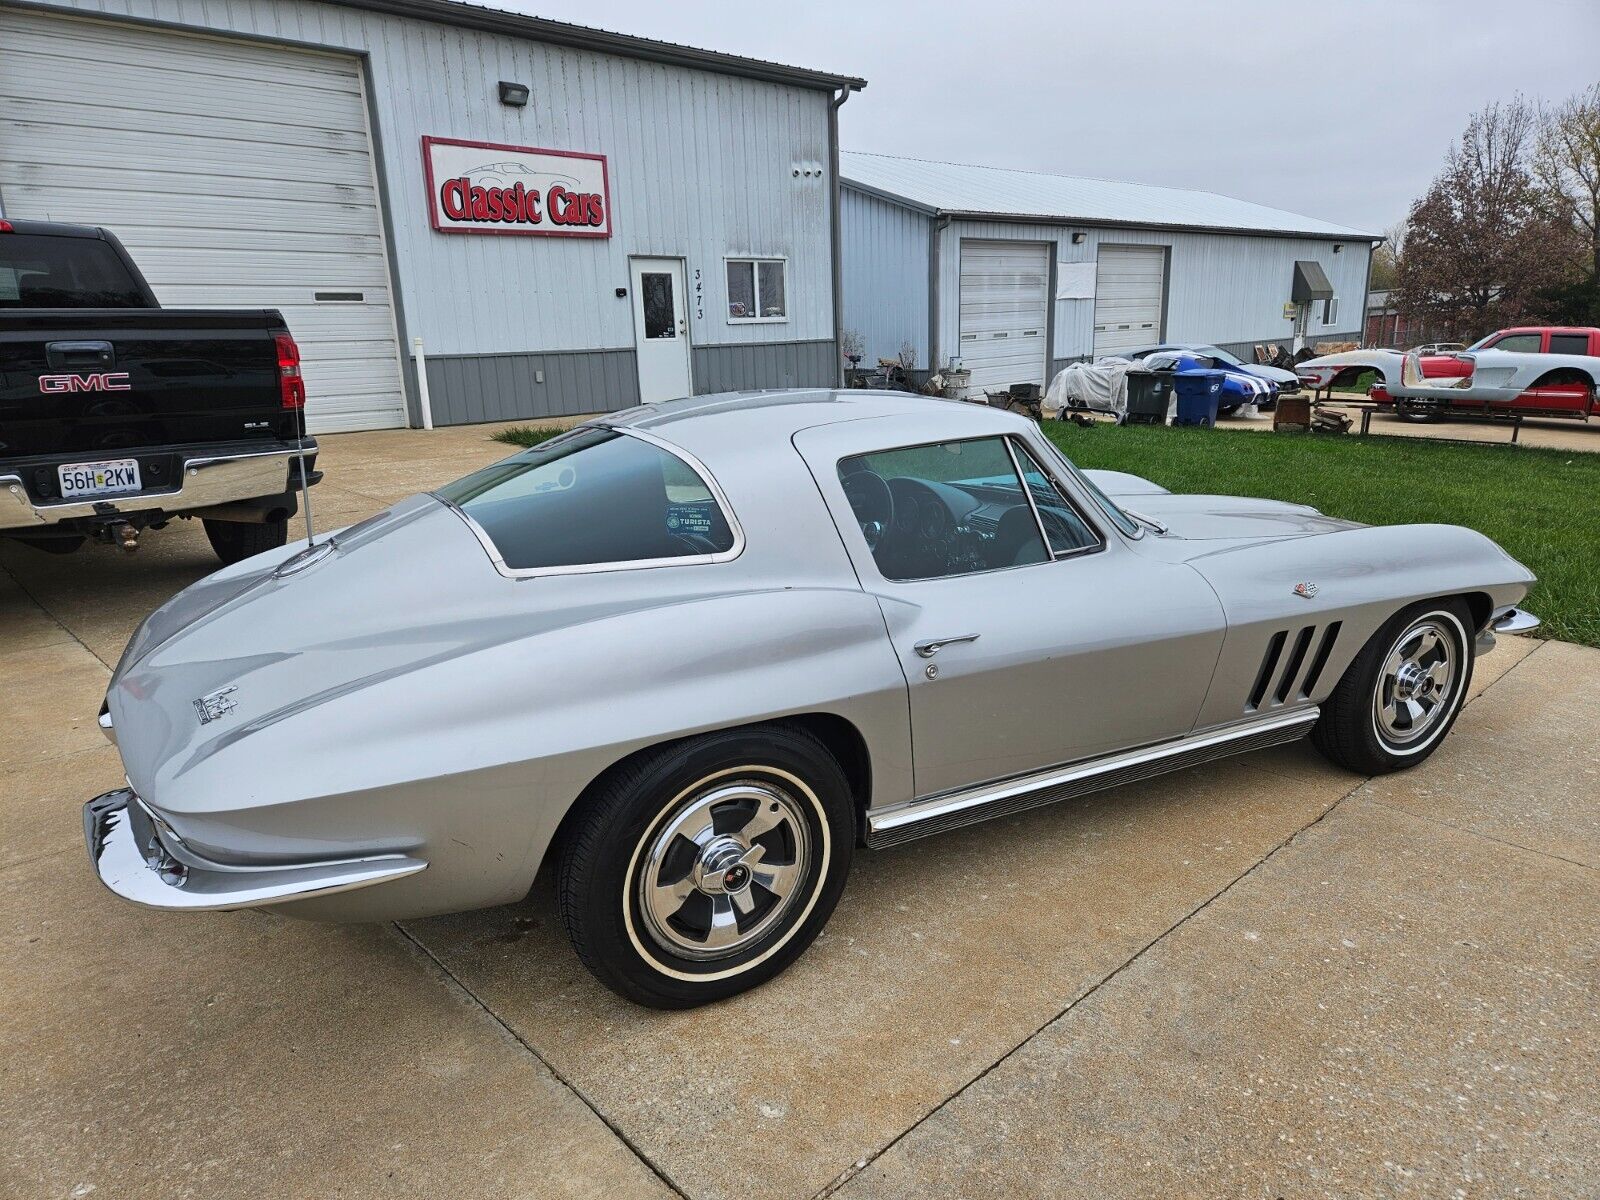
(7, 227)
(292, 388)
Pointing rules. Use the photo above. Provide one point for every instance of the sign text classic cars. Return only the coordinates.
(483, 187)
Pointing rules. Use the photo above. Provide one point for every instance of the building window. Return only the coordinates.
(1330, 310)
(756, 290)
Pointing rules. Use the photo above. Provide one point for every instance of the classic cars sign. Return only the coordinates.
(482, 187)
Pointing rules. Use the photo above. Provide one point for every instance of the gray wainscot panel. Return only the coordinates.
(465, 389)
(765, 365)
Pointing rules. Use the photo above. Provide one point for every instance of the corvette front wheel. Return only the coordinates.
(707, 867)
(1402, 693)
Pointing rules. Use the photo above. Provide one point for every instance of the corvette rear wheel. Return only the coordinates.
(707, 867)
(1402, 693)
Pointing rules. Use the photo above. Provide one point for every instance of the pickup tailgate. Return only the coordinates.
(94, 381)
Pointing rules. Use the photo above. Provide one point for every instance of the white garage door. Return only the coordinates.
(238, 175)
(1004, 312)
(1128, 286)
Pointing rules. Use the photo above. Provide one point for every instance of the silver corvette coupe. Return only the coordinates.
(691, 657)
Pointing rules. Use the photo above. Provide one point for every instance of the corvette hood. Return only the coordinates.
(1217, 518)
(1214, 518)
(1273, 374)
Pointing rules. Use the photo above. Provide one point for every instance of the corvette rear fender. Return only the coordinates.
(472, 762)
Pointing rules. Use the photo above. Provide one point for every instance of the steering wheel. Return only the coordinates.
(872, 503)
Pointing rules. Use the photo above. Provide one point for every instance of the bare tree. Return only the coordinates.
(1566, 166)
(1480, 250)
(1385, 257)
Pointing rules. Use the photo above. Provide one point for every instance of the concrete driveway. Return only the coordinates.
(1259, 978)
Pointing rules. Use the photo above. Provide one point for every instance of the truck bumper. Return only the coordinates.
(205, 482)
(141, 859)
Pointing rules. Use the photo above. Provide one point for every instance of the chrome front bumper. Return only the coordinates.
(140, 858)
(206, 482)
(1507, 620)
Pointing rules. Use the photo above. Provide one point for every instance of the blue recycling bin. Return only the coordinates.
(1199, 390)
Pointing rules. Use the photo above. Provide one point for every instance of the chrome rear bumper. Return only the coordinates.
(206, 482)
(139, 857)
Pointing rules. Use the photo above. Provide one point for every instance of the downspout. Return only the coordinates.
(1366, 295)
(834, 230)
(935, 240)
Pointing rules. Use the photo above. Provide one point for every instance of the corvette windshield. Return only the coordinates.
(590, 498)
(1117, 516)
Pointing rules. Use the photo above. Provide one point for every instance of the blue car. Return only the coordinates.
(1238, 388)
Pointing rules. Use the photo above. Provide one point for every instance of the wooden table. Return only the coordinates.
(1320, 399)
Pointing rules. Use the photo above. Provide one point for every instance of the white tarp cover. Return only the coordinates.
(1101, 386)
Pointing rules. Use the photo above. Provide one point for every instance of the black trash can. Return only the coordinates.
(1149, 397)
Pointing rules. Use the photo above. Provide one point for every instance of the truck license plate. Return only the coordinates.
(112, 478)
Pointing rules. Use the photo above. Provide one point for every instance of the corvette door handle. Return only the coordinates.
(933, 645)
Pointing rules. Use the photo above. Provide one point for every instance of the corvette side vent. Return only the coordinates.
(1269, 667)
(1302, 642)
(1283, 670)
(1319, 660)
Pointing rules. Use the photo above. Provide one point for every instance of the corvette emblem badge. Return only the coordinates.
(215, 705)
(1306, 590)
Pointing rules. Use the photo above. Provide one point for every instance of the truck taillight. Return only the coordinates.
(291, 387)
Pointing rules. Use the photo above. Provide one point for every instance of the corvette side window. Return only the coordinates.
(592, 498)
(951, 508)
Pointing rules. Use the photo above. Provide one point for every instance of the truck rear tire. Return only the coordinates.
(235, 541)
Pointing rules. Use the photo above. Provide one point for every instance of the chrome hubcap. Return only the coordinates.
(1414, 689)
(723, 868)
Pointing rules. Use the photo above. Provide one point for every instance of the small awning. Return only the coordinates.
(1310, 283)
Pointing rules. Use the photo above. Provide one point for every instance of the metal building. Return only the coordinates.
(570, 220)
(1016, 273)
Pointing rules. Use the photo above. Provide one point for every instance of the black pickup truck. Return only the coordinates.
(117, 415)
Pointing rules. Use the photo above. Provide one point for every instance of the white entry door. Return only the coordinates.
(660, 329)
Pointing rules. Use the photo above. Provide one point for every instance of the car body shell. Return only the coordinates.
(1551, 384)
(1483, 379)
(393, 702)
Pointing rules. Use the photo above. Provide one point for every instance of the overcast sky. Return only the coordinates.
(1341, 110)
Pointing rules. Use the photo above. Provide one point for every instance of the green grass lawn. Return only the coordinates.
(1538, 504)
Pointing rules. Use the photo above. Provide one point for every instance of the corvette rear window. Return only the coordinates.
(592, 498)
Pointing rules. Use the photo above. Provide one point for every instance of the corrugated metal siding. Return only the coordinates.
(464, 389)
(1221, 287)
(784, 365)
(701, 166)
(884, 252)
